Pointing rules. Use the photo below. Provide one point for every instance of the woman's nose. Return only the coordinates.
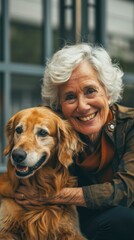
(83, 105)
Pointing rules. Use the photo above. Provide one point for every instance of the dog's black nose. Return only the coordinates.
(18, 155)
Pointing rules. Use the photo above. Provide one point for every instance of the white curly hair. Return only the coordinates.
(59, 69)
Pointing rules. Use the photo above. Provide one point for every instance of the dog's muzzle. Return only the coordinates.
(22, 170)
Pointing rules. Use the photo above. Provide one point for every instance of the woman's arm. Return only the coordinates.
(68, 196)
(120, 190)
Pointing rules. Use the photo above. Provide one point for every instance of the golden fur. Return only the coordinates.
(40, 148)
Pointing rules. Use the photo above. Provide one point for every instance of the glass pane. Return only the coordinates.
(69, 22)
(26, 31)
(25, 92)
(88, 25)
(120, 29)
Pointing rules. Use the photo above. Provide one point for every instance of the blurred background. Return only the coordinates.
(32, 30)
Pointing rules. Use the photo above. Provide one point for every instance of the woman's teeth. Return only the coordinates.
(87, 118)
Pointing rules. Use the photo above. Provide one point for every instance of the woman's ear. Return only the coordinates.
(69, 143)
(109, 100)
(9, 130)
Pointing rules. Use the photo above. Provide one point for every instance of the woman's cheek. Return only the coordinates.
(66, 110)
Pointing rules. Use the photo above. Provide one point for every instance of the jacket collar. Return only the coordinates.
(120, 113)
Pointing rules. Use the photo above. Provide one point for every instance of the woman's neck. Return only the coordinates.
(91, 141)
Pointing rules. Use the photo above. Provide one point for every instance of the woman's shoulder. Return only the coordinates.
(123, 112)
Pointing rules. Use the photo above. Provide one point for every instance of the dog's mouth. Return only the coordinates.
(25, 171)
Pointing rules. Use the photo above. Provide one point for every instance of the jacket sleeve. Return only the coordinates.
(120, 191)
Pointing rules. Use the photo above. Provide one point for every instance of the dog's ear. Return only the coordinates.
(69, 143)
(9, 130)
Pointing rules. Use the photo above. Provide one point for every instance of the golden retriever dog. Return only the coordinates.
(40, 148)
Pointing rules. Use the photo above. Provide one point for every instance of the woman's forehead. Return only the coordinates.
(80, 84)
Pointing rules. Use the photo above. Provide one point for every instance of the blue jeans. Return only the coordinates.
(116, 223)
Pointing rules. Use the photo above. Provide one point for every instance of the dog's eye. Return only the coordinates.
(19, 130)
(42, 133)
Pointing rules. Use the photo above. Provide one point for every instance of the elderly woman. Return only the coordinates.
(83, 84)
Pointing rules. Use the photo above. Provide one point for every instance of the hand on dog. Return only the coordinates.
(28, 198)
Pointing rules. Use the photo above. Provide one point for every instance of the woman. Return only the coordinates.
(83, 84)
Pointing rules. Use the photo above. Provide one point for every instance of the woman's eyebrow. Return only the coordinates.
(90, 86)
(68, 92)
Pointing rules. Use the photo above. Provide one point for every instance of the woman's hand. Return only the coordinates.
(28, 198)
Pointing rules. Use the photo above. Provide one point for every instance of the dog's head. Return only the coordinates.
(34, 135)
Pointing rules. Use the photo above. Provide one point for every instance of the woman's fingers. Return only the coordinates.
(29, 197)
(20, 196)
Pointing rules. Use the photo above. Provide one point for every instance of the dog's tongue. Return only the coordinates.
(21, 168)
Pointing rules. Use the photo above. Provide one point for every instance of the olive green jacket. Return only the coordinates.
(120, 191)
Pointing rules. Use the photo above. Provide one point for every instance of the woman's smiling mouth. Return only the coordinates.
(87, 118)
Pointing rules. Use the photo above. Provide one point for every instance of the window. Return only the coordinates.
(88, 21)
(120, 42)
(26, 31)
(120, 32)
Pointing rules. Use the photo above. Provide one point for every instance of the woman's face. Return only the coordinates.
(84, 101)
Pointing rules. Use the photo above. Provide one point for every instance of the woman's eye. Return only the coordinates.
(90, 91)
(19, 130)
(70, 97)
(42, 133)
